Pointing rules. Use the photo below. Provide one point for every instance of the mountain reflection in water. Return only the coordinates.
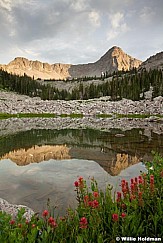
(114, 150)
(38, 154)
(63, 155)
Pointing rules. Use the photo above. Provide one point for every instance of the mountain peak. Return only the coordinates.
(116, 59)
(113, 60)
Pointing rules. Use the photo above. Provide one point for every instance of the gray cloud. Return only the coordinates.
(78, 31)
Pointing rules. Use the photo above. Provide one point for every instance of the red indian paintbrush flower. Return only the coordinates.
(53, 224)
(123, 206)
(80, 178)
(50, 220)
(152, 183)
(119, 196)
(45, 213)
(83, 223)
(76, 183)
(95, 194)
(152, 179)
(95, 204)
(12, 222)
(115, 217)
(123, 215)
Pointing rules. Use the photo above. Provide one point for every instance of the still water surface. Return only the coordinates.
(38, 164)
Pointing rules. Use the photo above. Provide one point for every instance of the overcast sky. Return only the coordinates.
(79, 31)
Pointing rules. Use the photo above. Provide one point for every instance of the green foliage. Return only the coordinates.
(136, 211)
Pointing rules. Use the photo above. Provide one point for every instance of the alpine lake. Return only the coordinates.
(41, 158)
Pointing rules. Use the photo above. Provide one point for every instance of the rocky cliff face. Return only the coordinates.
(113, 60)
(36, 69)
(153, 62)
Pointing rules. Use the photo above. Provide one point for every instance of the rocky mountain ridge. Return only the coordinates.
(153, 62)
(113, 60)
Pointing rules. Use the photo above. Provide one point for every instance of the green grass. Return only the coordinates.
(104, 116)
(74, 115)
(26, 115)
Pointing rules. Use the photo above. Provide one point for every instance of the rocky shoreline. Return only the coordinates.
(15, 125)
(13, 103)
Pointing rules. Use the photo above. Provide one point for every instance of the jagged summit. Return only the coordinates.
(113, 60)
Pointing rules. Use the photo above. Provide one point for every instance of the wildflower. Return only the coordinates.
(45, 213)
(33, 225)
(80, 179)
(95, 204)
(132, 181)
(123, 181)
(76, 183)
(19, 225)
(90, 203)
(123, 206)
(152, 183)
(136, 185)
(53, 224)
(83, 223)
(27, 222)
(119, 195)
(132, 186)
(123, 215)
(115, 217)
(12, 222)
(95, 194)
(127, 188)
(140, 181)
(50, 220)
(80, 182)
(151, 179)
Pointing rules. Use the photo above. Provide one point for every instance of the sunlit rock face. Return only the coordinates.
(37, 154)
(113, 60)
